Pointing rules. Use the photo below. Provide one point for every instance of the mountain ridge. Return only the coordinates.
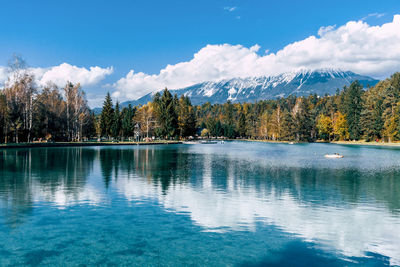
(302, 82)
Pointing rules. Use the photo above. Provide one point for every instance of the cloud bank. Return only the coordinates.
(63, 73)
(355, 46)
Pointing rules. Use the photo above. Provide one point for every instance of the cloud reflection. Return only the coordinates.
(352, 225)
(232, 187)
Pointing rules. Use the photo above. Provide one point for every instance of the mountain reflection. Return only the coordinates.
(355, 210)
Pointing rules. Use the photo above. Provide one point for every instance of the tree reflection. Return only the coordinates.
(29, 174)
(160, 166)
(170, 165)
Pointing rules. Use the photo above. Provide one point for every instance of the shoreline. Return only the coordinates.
(354, 143)
(94, 143)
(364, 143)
(84, 144)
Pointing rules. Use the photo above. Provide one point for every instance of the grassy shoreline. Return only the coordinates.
(81, 144)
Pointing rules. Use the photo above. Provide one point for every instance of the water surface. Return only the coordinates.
(231, 204)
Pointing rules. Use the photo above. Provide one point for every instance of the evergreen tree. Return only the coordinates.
(229, 121)
(166, 114)
(211, 126)
(186, 117)
(116, 122)
(229, 131)
(251, 120)
(371, 120)
(219, 130)
(127, 126)
(352, 106)
(302, 122)
(90, 128)
(107, 117)
(242, 129)
(27, 113)
(288, 129)
(391, 91)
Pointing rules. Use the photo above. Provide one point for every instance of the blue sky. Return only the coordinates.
(147, 35)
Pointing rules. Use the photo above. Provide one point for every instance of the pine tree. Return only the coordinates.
(229, 122)
(390, 105)
(211, 126)
(186, 117)
(352, 106)
(90, 128)
(302, 122)
(219, 130)
(242, 129)
(371, 120)
(107, 117)
(127, 121)
(166, 114)
(191, 121)
(116, 122)
(288, 129)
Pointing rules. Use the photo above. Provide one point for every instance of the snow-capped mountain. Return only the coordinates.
(300, 83)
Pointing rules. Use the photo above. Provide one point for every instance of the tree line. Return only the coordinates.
(351, 114)
(29, 112)
(166, 117)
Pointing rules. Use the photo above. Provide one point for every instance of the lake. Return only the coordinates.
(231, 204)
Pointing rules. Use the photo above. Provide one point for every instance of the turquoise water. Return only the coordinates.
(231, 204)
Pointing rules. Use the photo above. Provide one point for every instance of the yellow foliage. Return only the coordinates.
(205, 133)
(340, 127)
(325, 126)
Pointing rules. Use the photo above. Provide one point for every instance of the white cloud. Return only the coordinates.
(351, 231)
(375, 15)
(230, 8)
(65, 72)
(326, 29)
(3, 75)
(355, 46)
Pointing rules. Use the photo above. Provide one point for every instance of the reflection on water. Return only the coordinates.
(28, 176)
(349, 207)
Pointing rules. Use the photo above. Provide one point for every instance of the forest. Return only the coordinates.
(353, 113)
(29, 112)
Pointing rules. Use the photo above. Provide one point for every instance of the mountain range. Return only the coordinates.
(300, 83)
